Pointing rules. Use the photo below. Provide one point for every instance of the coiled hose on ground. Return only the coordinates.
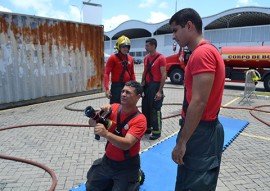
(68, 107)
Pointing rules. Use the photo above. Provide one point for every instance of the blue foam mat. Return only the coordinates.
(160, 170)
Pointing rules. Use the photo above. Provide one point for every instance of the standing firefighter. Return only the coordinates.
(121, 68)
(200, 140)
(153, 79)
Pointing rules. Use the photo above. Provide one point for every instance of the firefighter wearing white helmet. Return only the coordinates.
(119, 70)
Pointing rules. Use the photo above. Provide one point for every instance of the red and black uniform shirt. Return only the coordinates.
(206, 59)
(155, 68)
(114, 67)
(136, 126)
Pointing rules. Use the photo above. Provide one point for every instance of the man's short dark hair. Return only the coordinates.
(151, 41)
(188, 14)
(138, 87)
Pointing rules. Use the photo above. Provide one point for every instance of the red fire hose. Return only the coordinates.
(52, 174)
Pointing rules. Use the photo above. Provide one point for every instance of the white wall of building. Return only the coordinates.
(240, 36)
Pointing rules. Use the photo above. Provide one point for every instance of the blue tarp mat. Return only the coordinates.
(160, 170)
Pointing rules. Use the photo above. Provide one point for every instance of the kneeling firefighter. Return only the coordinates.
(119, 168)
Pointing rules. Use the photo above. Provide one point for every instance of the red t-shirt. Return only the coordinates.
(206, 58)
(155, 69)
(115, 68)
(136, 126)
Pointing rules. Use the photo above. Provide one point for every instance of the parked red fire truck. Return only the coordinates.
(237, 59)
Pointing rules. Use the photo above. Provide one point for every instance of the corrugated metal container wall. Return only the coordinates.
(42, 57)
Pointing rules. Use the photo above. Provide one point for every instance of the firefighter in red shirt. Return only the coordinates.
(199, 143)
(118, 170)
(121, 68)
(153, 79)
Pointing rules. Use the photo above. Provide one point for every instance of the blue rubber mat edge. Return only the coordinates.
(231, 130)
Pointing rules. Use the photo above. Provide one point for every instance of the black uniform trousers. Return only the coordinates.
(116, 89)
(109, 175)
(202, 158)
(151, 108)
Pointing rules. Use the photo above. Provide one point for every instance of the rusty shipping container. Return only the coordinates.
(45, 58)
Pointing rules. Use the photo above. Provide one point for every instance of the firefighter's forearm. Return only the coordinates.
(162, 83)
(123, 143)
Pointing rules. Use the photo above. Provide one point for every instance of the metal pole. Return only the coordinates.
(81, 12)
(81, 16)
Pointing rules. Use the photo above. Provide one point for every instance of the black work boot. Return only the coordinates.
(154, 136)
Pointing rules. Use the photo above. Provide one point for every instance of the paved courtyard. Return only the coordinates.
(57, 137)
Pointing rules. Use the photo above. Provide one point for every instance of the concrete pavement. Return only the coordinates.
(69, 150)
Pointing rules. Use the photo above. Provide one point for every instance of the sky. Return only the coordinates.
(115, 12)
